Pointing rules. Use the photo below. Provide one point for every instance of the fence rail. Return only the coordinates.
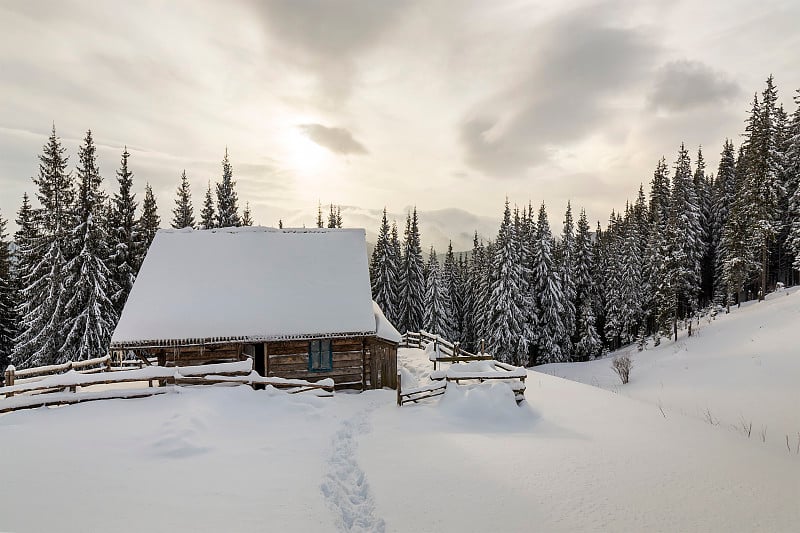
(419, 393)
(444, 350)
(45, 386)
(450, 352)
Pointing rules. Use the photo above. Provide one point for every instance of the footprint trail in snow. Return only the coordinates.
(345, 486)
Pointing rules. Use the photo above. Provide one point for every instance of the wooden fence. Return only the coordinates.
(60, 384)
(444, 350)
(418, 393)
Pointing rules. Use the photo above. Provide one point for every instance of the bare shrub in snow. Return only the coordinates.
(622, 366)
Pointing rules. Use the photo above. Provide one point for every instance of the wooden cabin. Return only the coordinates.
(296, 301)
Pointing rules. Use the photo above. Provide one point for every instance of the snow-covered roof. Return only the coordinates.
(249, 284)
(384, 329)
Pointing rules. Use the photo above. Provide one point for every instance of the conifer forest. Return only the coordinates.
(545, 289)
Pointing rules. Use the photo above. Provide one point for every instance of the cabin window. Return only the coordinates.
(320, 356)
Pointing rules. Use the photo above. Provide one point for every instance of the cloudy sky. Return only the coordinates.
(373, 103)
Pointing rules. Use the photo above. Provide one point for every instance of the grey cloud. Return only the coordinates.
(337, 140)
(579, 62)
(325, 37)
(685, 85)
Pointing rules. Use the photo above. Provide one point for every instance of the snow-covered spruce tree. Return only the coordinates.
(183, 213)
(739, 262)
(525, 228)
(453, 285)
(320, 222)
(470, 295)
(124, 235)
(89, 313)
(42, 312)
(763, 187)
(584, 261)
(723, 195)
(383, 271)
(412, 278)
(8, 313)
(548, 295)
(702, 189)
(438, 318)
(208, 215)
(505, 293)
(612, 283)
(227, 200)
(792, 169)
(660, 196)
(335, 216)
(566, 268)
(247, 217)
(149, 223)
(332, 216)
(589, 343)
(632, 267)
(396, 257)
(459, 292)
(686, 236)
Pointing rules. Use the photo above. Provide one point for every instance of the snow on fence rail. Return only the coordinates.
(418, 393)
(471, 367)
(52, 389)
(443, 351)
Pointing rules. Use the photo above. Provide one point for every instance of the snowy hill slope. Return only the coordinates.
(741, 368)
(573, 457)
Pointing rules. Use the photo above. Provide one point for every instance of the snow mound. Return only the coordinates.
(483, 405)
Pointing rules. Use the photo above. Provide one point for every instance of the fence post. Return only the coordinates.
(9, 379)
(482, 352)
(399, 390)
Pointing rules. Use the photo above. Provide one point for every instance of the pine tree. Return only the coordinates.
(208, 215)
(438, 318)
(706, 252)
(89, 313)
(589, 344)
(686, 235)
(334, 217)
(149, 223)
(183, 213)
(8, 314)
(124, 235)
(469, 335)
(338, 216)
(792, 170)
(247, 218)
(763, 187)
(548, 294)
(320, 223)
(412, 278)
(453, 282)
(227, 200)
(739, 262)
(724, 191)
(42, 309)
(383, 271)
(660, 196)
(505, 293)
(566, 268)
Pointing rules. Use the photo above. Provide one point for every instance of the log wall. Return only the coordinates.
(358, 362)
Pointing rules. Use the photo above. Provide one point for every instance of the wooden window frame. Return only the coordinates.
(319, 344)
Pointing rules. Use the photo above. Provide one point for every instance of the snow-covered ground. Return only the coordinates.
(572, 457)
(739, 369)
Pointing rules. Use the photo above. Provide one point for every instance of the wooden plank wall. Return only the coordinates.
(289, 359)
(357, 362)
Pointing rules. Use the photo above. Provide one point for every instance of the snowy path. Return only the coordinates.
(345, 486)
